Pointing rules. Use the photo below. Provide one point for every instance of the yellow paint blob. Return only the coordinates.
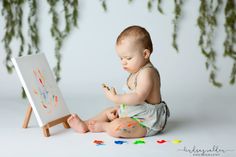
(176, 141)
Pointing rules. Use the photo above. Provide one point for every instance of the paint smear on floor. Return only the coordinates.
(98, 142)
(161, 141)
(176, 141)
(139, 141)
(120, 142)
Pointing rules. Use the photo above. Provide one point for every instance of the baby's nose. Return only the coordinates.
(123, 62)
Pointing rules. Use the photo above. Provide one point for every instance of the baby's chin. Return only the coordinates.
(126, 69)
(129, 70)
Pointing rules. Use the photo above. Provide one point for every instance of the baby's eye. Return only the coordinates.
(129, 58)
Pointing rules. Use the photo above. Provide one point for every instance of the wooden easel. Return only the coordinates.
(46, 127)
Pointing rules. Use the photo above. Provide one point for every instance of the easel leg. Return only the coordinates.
(46, 131)
(66, 125)
(46, 127)
(27, 117)
(62, 120)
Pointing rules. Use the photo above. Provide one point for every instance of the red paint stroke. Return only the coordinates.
(98, 142)
(35, 92)
(161, 141)
(131, 124)
(41, 81)
(56, 99)
(40, 73)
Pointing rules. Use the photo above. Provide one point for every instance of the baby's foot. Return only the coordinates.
(96, 126)
(77, 124)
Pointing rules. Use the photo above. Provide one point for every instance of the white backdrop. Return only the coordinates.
(89, 57)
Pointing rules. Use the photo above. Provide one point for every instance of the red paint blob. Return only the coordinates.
(98, 142)
(161, 141)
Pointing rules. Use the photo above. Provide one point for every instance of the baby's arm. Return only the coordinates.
(144, 85)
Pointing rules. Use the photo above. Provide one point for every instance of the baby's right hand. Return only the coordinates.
(112, 90)
(110, 93)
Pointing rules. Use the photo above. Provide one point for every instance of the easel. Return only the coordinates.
(46, 127)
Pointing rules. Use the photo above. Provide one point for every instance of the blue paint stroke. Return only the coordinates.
(120, 142)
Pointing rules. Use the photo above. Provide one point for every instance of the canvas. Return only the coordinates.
(40, 87)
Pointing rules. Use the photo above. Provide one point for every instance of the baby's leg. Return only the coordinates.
(82, 126)
(77, 124)
(121, 127)
(96, 124)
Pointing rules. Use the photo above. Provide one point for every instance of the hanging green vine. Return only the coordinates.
(230, 40)
(159, 8)
(207, 22)
(177, 13)
(104, 5)
(150, 5)
(18, 24)
(71, 15)
(12, 12)
(33, 45)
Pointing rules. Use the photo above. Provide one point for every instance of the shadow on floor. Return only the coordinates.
(176, 124)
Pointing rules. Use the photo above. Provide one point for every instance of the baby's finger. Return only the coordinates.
(113, 91)
(105, 86)
(105, 90)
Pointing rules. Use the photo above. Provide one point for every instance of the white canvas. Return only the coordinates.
(41, 88)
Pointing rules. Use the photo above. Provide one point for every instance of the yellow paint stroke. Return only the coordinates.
(176, 141)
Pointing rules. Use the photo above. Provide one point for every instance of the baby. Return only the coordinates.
(139, 111)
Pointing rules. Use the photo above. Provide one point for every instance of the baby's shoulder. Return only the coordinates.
(150, 72)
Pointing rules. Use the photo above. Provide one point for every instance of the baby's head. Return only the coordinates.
(134, 47)
(138, 35)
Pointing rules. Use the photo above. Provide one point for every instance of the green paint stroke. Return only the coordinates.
(139, 142)
(123, 107)
(139, 122)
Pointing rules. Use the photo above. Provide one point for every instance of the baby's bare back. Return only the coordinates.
(154, 96)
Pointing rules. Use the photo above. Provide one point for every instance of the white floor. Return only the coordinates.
(203, 123)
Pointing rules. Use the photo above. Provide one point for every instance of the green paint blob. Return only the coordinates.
(139, 142)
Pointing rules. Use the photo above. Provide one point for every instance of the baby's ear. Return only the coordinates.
(146, 53)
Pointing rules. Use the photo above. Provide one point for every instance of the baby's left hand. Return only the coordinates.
(109, 92)
(112, 114)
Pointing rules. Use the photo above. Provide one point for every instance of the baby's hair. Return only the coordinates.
(139, 33)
